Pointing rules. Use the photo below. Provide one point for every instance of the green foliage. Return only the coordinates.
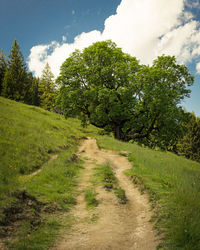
(173, 184)
(47, 92)
(3, 66)
(15, 82)
(15, 78)
(32, 93)
(109, 89)
(163, 87)
(189, 145)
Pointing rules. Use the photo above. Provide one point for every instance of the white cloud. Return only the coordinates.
(64, 38)
(178, 42)
(186, 16)
(73, 12)
(142, 28)
(198, 68)
(38, 57)
(56, 53)
(138, 24)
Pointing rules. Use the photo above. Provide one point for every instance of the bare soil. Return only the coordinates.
(111, 225)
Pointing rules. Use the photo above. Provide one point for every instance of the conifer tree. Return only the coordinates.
(15, 78)
(189, 146)
(47, 91)
(3, 66)
(31, 90)
(35, 92)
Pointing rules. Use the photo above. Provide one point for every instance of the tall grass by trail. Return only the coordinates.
(174, 187)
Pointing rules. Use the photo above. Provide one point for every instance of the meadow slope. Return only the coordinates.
(40, 172)
(173, 185)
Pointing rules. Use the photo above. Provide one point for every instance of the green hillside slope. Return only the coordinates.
(39, 170)
(30, 140)
(173, 184)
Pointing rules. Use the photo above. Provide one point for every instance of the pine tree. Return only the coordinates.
(47, 91)
(15, 78)
(189, 146)
(31, 90)
(35, 92)
(3, 66)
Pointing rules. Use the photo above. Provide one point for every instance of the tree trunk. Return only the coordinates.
(118, 133)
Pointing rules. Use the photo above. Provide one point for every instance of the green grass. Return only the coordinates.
(106, 177)
(90, 197)
(39, 239)
(173, 184)
(29, 137)
(120, 193)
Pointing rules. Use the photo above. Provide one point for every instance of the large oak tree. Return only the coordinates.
(111, 90)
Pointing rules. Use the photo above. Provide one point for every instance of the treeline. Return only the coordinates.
(16, 83)
(109, 89)
(189, 145)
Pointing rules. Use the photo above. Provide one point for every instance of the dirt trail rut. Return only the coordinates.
(119, 226)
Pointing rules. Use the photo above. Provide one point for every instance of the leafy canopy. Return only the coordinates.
(110, 89)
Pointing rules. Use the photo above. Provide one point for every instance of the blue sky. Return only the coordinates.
(49, 30)
(35, 22)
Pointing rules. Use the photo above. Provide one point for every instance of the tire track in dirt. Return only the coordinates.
(120, 226)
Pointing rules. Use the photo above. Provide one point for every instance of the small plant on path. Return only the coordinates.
(90, 197)
(110, 182)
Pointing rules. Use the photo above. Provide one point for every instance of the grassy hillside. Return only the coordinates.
(30, 139)
(174, 187)
(32, 202)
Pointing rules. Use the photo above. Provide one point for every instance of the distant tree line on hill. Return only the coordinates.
(16, 83)
(111, 90)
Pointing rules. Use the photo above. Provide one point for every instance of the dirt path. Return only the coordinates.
(53, 157)
(119, 226)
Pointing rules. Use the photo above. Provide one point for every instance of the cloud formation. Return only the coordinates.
(142, 28)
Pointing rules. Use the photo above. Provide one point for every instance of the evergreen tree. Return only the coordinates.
(35, 92)
(15, 78)
(47, 91)
(3, 66)
(31, 90)
(189, 146)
